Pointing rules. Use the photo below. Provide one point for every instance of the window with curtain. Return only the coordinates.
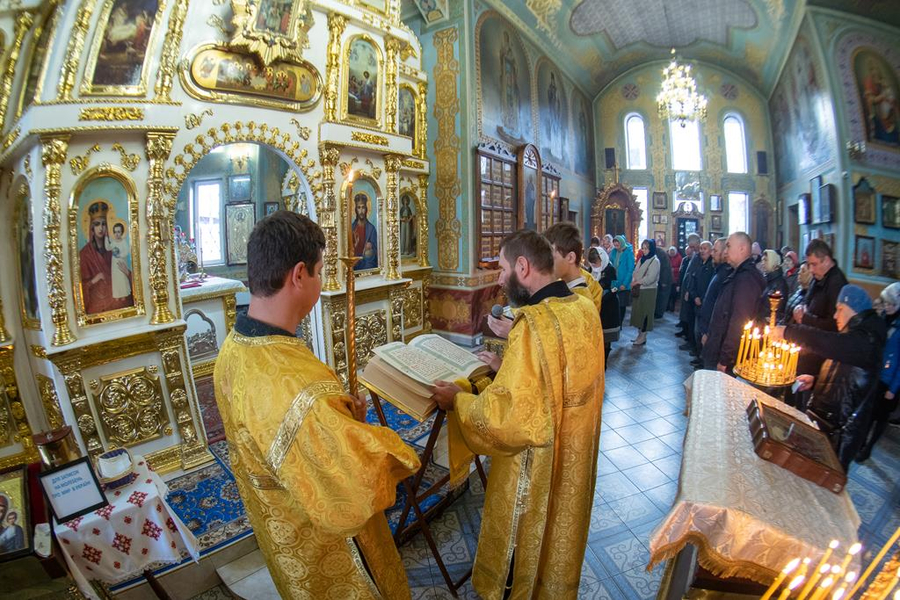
(635, 142)
(735, 144)
(208, 209)
(640, 194)
(738, 212)
(685, 146)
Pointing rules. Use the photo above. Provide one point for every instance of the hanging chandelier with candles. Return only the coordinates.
(678, 99)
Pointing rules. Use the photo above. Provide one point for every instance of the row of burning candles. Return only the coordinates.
(829, 581)
(769, 360)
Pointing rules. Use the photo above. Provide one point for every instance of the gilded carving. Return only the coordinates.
(230, 302)
(398, 296)
(50, 400)
(11, 137)
(129, 161)
(193, 121)
(70, 366)
(426, 307)
(328, 157)
(346, 167)
(371, 332)
(336, 25)
(165, 460)
(368, 138)
(165, 75)
(302, 131)
(421, 145)
(38, 351)
(392, 51)
(268, 45)
(53, 155)
(376, 171)
(74, 50)
(111, 113)
(413, 164)
(336, 310)
(130, 405)
(217, 22)
(412, 308)
(423, 222)
(447, 149)
(4, 334)
(13, 413)
(27, 167)
(158, 147)
(79, 163)
(392, 163)
(24, 20)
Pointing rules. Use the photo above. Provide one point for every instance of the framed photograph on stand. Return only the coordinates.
(890, 255)
(15, 539)
(864, 252)
(72, 489)
(660, 201)
(803, 215)
(715, 203)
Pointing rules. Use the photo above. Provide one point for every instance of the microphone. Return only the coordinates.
(497, 312)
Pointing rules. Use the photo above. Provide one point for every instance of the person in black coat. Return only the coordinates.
(843, 392)
(696, 290)
(722, 270)
(609, 306)
(664, 287)
(682, 273)
(737, 303)
(686, 314)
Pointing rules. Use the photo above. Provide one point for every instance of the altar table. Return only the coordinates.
(746, 516)
(135, 533)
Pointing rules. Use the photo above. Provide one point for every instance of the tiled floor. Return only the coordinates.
(637, 479)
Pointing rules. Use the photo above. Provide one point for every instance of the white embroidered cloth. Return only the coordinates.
(135, 532)
(748, 517)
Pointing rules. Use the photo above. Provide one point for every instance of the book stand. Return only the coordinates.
(414, 497)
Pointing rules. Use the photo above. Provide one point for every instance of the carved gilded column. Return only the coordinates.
(426, 305)
(397, 294)
(158, 147)
(70, 367)
(421, 149)
(13, 421)
(328, 157)
(74, 50)
(392, 163)
(447, 186)
(171, 45)
(336, 25)
(4, 334)
(53, 156)
(392, 50)
(338, 318)
(24, 21)
(423, 221)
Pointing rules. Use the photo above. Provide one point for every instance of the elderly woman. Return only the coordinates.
(790, 265)
(644, 283)
(622, 260)
(675, 259)
(605, 273)
(770, 265)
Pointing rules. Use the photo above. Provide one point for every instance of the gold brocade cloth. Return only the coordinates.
(539, 420)
(748, 517)
(315, 481)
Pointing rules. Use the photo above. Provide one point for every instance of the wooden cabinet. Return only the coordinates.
(496, 208)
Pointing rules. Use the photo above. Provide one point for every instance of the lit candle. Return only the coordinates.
(839, 593)
(795, 583)
(787, 570)
(875, 561)
(823, 588)
(746, 332)
(813, 580)
(853, 551)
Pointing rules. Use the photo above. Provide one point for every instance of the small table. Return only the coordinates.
(414, 498)
(135, 534)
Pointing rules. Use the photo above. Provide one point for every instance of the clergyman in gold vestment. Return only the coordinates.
(314, 479)
(539, 420)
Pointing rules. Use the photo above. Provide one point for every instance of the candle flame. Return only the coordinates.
(824, 569)
(897, 595)
(839, 594)
(795, 582)
(826, 583)
(854, 549)
(850, 577)
(836, 569)
(351, 175)
(788, 568)
(749, 325)
(833, 544)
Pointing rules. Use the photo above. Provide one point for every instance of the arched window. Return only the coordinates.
(685, 145)
(738, 212)
(735, 144)
(635, 143)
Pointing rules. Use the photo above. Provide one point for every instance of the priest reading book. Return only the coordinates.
(404, 373)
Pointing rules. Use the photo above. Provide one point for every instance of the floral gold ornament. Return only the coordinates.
(328, 156)
(193, 121)
(103, 216)
(447, 148)
(79, 163)
(678, 99)
(125, 37)
(422, 245)
(158, 148)
(165, 75)
(221, 74)
(302, 131)
(26, 165)
(412, 308)
(274, 31)
(397, 296)
(130, 405)
(24, 20)
(392, 50)
(11, 138)
(38, 55)
(129, 161)
(16, 419)
(111, 113)
(53, 155)
(74, 49)
(371, 332)
(413, 164)
(376, 171)
(336, 25)
(368, 138)
(217, 22)
(421, 140)
(50, 401)
(392, 166)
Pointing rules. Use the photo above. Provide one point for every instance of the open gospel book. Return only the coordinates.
(404, 373)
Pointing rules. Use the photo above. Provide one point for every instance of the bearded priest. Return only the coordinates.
(539, 421)
(314, 478)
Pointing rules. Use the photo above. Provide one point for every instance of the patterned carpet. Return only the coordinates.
(212, 420)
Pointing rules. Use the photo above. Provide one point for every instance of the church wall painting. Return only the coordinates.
(23, 233)
(362, 81)
(122, 43)
(582, 146)
(802, 113)
(409, 220)
(504, 82)
(104, 246)
(879, 95)
(553, 114)
(365, 225)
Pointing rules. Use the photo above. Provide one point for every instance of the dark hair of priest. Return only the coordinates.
(276, 245)
(532, 246)
(819, 248)
(567, 238)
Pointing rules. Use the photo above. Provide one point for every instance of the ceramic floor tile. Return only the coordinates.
(625, 458)
(617, 419)
(638, 584)
(634, 433)
(653, 449)
(670, 465)
(674, 440)
(620, 553)
(604, 522)
(606, 466)
(646, 476)
(611, 440)
(663, 496)
(636, 510)
(615, 486)
(659, 427)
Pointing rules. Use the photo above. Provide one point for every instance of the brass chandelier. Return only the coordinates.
(678, 99)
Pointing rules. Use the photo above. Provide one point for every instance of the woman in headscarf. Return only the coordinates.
(646, 277)
(605, 273)
(622, 260)
(675, 259)
(770, 265)
(791, 267)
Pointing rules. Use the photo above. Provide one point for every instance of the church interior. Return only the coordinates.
(417, 134)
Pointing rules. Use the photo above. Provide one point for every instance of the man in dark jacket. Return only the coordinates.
(843, 392)
(664, 287)
(736, 304)
(686, 315)
(682, 270)
(696, 290)
(722, 270)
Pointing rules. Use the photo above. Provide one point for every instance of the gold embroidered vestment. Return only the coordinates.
(315, 482)
(539, 420)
